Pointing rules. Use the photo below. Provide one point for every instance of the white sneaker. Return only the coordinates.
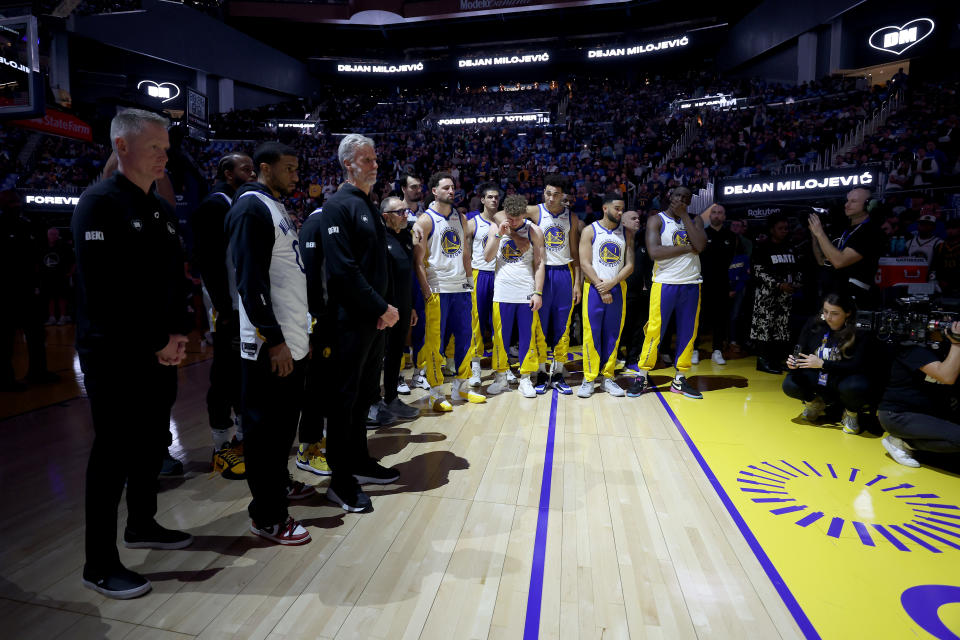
(814, 409)
(499, 384)
(419, 380)
(526, 387)
(511, 377)
(402, 387)
(610, 386)
(474, 380)
(586, 389)
(897, 449)
(717, 357)
(695, 358)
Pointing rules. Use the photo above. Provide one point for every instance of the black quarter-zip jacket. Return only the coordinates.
(131, 285)
(355, 256)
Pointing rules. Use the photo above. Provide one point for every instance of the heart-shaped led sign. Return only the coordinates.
(897, 40)
(163, 91)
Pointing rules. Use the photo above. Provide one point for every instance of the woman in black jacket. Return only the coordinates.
(828, 364)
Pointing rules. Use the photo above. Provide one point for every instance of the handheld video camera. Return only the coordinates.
(915, 320)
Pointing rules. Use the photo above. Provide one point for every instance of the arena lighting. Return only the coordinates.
(892, 39)
(495, 61)
(534, 117)
(380, 68)
(163, 91)
(638, 49)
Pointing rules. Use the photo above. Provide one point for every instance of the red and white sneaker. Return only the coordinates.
(297, 490)
(291, 532)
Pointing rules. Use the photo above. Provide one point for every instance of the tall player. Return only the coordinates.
(442, 258)
(561, 288)
(674, 242)
(606, 247)
(478, 229)
(516, 247)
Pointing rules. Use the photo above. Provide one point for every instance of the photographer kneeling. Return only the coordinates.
(826, 364)
(913, 410)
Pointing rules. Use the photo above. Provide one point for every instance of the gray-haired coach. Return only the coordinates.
(131, 331)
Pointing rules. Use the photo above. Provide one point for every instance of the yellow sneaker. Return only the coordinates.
(440, 403)
(310, 458)
(228, 461)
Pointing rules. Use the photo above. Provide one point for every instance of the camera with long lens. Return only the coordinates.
(915, 320)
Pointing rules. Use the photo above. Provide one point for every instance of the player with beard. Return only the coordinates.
(274, 338)
(443, 260)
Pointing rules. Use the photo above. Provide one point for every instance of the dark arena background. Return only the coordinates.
(732, 496)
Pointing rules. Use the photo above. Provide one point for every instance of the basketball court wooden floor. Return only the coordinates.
(654, 517)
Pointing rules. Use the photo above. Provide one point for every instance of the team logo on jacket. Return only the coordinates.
(450, 243)
(509, 252)
(555, 238)
(610, 253)
(680, 238)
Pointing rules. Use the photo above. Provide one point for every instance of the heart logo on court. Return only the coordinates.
(164, 91)
(897, 40)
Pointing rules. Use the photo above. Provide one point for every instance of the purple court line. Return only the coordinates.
(836, 526)
(810, 518)
(832, 472)
(531, 626)
(907, 534)
(936, 528)
(904, 485)
(753, 475)
(812, 469)
(762, 484)
(803, 473)
(937, 513)
(931, 535)
(778, 583)
(876, 480)
(921, 496)
(853, 473)
(790, 509)
(890, 537)
(863, 533)
(753, 466)
(949, 524)
(774, 499)
(773, 466)
(936, 506)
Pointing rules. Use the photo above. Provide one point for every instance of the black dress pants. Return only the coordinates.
(357, 358)
(224, 393)
(396, 343)
(130, 402)
(271, 413)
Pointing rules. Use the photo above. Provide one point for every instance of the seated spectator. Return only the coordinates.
(826, 364)
(915, 412)
(923, 244)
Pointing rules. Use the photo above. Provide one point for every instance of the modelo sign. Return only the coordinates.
(804, 186)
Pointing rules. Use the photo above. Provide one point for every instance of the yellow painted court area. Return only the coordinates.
(847, 529)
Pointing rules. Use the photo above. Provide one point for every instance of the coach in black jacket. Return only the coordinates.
(131, 331)
(355, 254)
(210, 256)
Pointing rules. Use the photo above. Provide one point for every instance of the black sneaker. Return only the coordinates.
(153, 536)
(558, 383)
(543, 383)
(376, 473)
(120, 583)
(767, 367)
(171, 466)
(640, 384)
(349, 496)
(681, 386)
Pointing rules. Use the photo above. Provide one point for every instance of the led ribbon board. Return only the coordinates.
(803, 186)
